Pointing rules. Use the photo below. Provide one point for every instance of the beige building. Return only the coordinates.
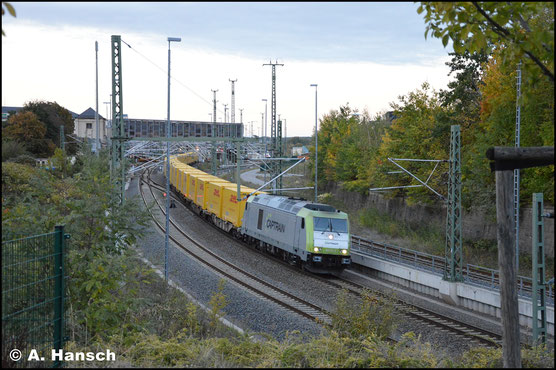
(85, 126)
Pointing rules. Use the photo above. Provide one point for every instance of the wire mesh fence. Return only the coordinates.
(33, 292)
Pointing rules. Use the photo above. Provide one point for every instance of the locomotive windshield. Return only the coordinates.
(330, 224)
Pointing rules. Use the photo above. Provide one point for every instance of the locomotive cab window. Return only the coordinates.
(303, 223)
(260, 220)
(330, 224)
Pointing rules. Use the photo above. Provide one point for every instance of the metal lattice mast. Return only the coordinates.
(118, 133)
(539, 284)
(241, 115)
(280, 155)
(273, 146)
(62, 138)
(453, 270)
(273, 105)
(233, 106)
(214, 106)
(213, 159)
(516, 171)
(225, 112)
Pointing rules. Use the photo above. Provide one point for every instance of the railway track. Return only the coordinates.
(232, 272)
(412, 311)
(480, 336)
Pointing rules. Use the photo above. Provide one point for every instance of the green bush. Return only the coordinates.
(372, 315)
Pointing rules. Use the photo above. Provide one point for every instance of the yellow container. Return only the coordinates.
(232, 210)
(180, 182)
(214, 196)
(201, 182)
(180, 177)
(189, 189)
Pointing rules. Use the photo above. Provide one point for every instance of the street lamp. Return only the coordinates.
(316, 143)
(170, 39)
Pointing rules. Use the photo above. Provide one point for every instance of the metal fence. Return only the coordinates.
(33, 293)
(472, 274)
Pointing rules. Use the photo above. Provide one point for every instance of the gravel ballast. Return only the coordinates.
(254, 314)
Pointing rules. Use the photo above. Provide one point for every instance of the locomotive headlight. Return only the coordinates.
(344, 251)
(330, 236)
(316, 249)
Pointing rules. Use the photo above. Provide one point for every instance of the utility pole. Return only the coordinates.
(453, 246)
(504, 161)
(273, 105)
(118, 129)
(285, 137)
(214, 106)
(97, 143)
(538, 293)
(233, 106)
(262, 123)
(62, 138)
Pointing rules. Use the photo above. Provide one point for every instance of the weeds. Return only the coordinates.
(217, 302)
(372, 315)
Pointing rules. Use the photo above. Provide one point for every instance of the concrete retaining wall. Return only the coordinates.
(472, 297)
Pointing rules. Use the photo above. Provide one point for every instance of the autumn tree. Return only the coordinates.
(524, 29)
(348, 140)
(26, 129)
(420, 131)
(53, 116)
(497, 128)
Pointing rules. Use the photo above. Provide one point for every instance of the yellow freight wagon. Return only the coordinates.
(189, 188)
(232, 210)
(201, 182)
(214, 196)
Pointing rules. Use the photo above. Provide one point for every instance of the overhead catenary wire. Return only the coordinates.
(172, 77)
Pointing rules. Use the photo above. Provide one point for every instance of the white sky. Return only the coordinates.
(366, 54)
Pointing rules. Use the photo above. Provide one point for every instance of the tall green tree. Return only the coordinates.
(53, 116)
(525, 29)
(26, 128)
(463, 94)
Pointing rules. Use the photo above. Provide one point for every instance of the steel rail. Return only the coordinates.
(310, 310)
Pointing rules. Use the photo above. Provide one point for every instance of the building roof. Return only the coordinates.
(89, 113)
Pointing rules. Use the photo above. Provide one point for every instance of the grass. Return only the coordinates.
(166, 330)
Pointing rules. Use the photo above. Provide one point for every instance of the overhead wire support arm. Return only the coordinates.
(269, 181)
(438, 161)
